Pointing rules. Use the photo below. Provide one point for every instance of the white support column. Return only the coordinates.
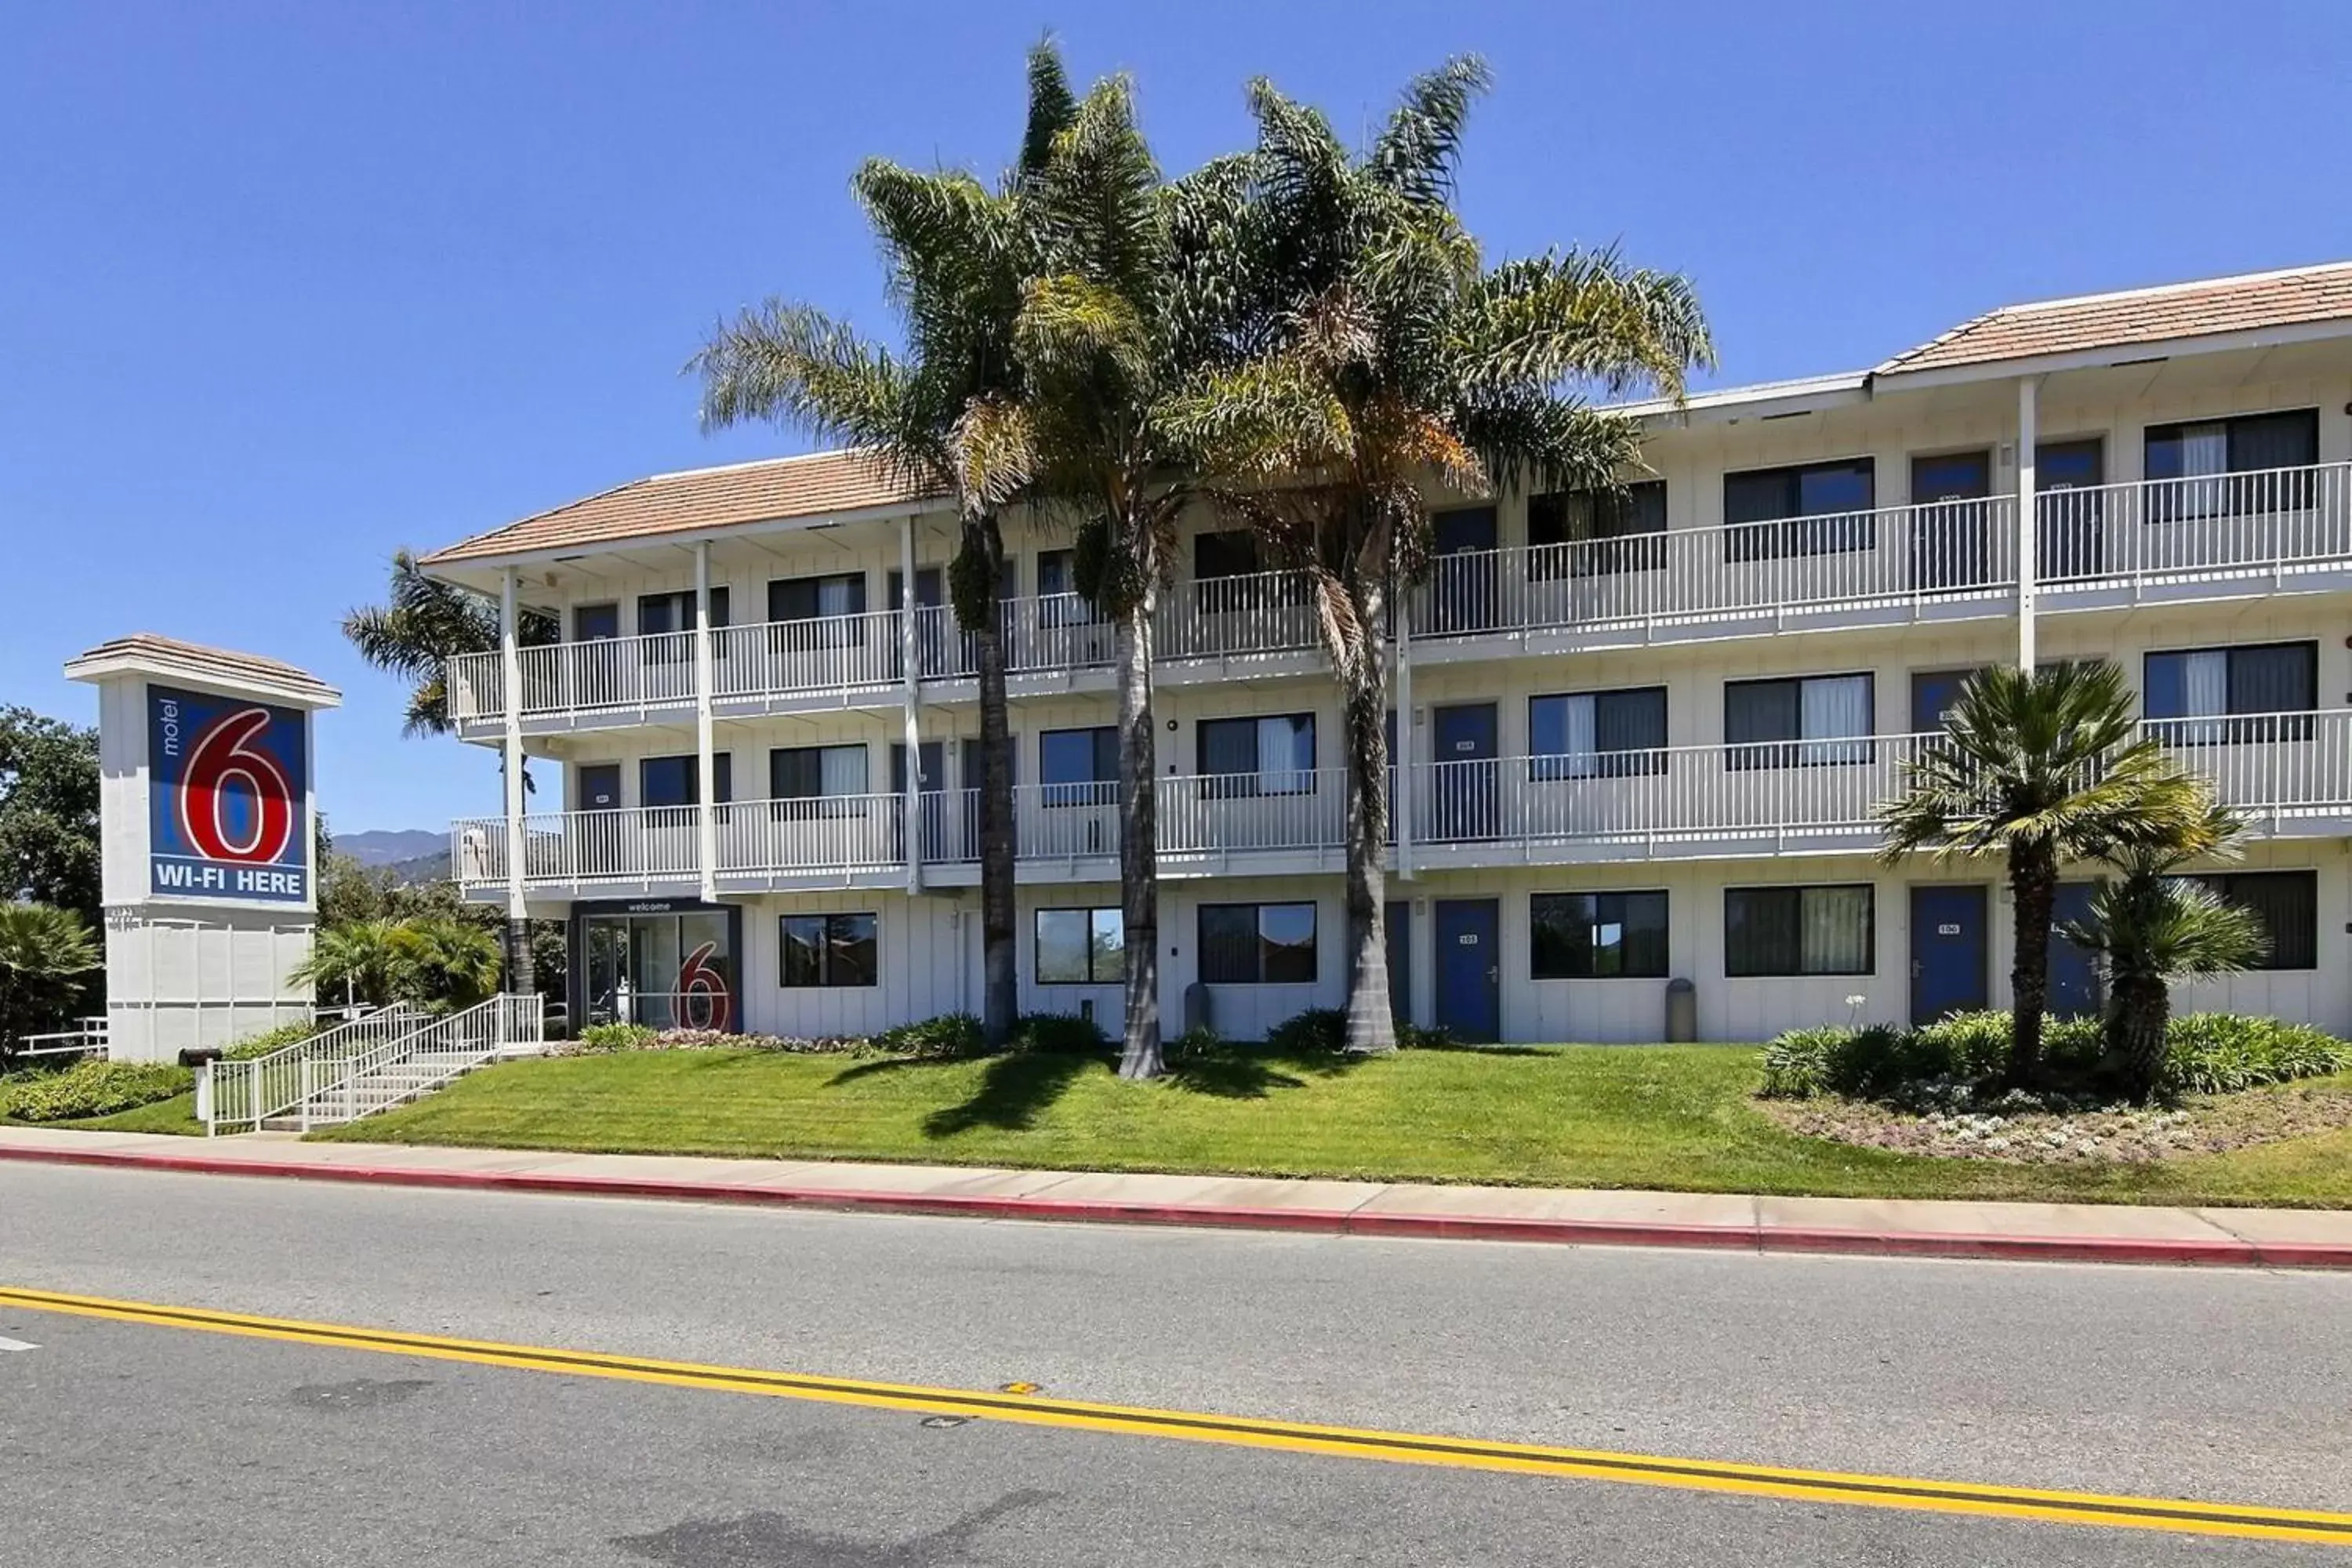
(1400, 751)
(705, 765)
(2029, 569)
(912, 837)
(510, 677)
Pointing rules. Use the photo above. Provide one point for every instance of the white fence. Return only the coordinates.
(2257, 530)
(244, 1094)
(2281, 769)
(2272, 524)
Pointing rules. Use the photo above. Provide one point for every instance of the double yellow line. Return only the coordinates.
(1290, 1437)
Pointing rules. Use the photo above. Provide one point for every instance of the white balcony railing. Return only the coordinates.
(1215, 813)
(2282, 770)
(2272, 523)
(2258, 530)
(1741, 572)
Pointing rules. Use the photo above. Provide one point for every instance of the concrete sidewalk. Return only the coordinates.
(2310, 1238)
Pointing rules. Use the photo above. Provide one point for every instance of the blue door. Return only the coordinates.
(1470, 968)
(1463, 784)
(2074, 989)
(1947, 952)
(1462, 579)
(1399, 925)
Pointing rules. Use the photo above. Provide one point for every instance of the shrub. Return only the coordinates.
(90, 1089)
(1414, 1038)
(1059, 1034)
(269, 1040)
(600, 1037)
(1198, 1041)
(2221, 1053)
(1318, 1031)
(2206, 1053)
(948, 1036)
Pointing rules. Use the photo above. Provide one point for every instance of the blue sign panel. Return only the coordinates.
(226, 793)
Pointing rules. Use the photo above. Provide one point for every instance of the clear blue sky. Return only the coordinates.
(284, 288)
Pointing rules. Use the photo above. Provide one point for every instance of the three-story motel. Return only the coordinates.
(1638, 737)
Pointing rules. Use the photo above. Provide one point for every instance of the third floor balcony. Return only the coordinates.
(2222, 536)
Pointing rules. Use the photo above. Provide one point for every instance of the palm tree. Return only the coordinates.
(1387, 355)
(364, 961)
(2038, 768)
(935, 417)
(421, 625)
(441, 958)
(2152, 927)
(1133, 296)
(47, 956)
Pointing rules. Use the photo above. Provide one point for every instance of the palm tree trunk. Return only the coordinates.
(2139, 1017)
(1138, 841)
(1000, 980)
(1371, 1027)
(2034, 893)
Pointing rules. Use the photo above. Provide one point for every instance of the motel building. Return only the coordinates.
(1639, 740)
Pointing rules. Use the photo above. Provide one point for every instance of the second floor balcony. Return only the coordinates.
(2290, 774)
(2182, 540)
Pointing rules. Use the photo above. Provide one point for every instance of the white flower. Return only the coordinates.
(1856, 1000)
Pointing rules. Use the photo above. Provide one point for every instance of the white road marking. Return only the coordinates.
(8, 1344)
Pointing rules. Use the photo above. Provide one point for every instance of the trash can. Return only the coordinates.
(1682, 1012)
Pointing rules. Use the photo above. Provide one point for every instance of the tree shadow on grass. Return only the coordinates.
(1244, 1074)
(1014, 1092)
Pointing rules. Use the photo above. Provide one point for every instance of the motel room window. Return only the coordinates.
(1081, 947)
(1806, 722)
(1799, 930)
(1598, 936)
(1597, 533)
(1819, 509)
(2287, 904)
(595, 623)
(677, 781)
(2218, 467)
(816, 598)
(1079, 767)
(659, 613)
(2192, 694)
(829, 952)
(1258, 756)
(1257, 944)
(808, 773)
(1597, 735)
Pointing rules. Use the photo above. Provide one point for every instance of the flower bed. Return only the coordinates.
(2032, 1130)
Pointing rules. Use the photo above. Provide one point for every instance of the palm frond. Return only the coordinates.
(1420, 149)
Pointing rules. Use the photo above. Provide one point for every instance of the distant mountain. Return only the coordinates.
(387, 846)
(433, 867)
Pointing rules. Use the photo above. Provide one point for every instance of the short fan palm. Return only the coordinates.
(2037, 769)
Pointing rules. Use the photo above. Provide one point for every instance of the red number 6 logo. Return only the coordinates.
(703, 1001)
(223, 754)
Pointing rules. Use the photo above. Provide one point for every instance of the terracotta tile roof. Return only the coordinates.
(819, 485)
(2301, 294)
(198, 660)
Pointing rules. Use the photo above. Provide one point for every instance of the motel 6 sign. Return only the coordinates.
(227, 809)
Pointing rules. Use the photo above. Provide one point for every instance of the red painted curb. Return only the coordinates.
(2226, 1253)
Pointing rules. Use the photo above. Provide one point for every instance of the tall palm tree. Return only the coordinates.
(2037, 769)
(935, 417)
(2152, 927)
(1388, 356)
(421, 626)
(1133, 296)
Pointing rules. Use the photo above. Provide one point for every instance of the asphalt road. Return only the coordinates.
(130, 1443)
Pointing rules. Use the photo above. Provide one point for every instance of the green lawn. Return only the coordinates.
(177, 1114)
(1675, 1117)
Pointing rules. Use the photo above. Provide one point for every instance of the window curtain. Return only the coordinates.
(1285, 752)
(1833, 710)
(2204, 451)
(2271, 679)
(2204, 693)
(842, 770)
(1835, 930)
(1229, 746)
(1229, 945)
(1579, 736)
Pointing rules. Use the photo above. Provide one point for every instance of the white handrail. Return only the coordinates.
(249, 1091)
(438, 1051)
(2212, 527)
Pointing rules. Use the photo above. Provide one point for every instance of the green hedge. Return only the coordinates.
(90, 1088)
(2207, 1053)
